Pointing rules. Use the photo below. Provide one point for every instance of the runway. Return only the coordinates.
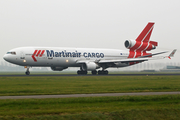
(39, 75)
(88, 95)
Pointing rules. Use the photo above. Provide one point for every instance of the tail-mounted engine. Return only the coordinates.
(140, 46)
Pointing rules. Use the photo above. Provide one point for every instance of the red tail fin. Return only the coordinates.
(146, 33)
(142, 42)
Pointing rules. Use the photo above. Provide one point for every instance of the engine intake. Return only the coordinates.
(129, 43)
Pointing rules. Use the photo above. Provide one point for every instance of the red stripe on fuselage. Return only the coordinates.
(34, 55)
(42, 53)
(131, 54)
(38, 53)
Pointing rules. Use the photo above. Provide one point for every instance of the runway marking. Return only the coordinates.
(88, 95)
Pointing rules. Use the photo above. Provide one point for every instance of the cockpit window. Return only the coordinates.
(13, 53)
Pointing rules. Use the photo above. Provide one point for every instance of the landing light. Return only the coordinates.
(67, 60)
(24, 60)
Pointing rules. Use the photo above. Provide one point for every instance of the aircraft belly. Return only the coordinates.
(64, 62)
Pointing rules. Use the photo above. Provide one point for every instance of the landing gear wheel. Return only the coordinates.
(99, 72)
(27, 73)
(94, 72)
(106, 72)
(79, 72)
(102, 72)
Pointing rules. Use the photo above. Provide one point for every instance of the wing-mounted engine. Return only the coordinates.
(58, 68)
(89, 66)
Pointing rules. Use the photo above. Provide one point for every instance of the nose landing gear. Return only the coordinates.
(27, 71)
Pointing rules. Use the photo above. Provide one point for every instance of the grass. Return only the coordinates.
(90, 108)
(86, 84)
(126, 107)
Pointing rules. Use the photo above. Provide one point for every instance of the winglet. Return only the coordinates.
(172, 53)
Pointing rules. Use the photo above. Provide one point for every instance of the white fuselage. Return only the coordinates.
(62, 57)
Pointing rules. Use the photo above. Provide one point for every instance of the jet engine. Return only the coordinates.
(142, 46)
(58, 68)
(90, 66)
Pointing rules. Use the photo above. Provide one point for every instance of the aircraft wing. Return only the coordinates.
(127, 60)
(140, 59)
(119, 60)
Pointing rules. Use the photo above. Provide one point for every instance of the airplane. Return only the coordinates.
(87, 59)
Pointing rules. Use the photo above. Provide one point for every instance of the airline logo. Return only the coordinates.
(37, 53)
(51, 53)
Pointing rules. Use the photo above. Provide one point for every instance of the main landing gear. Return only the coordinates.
(103, 72)
(94, 72)
(99, 72)
(81, 72)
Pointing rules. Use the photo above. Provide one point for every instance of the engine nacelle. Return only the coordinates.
(90, 66)
(58, 68)
(129, 43)
(142, 46)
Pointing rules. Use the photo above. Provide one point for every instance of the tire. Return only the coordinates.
(79, 72)
(27, 73)
(94, 72)
(100, 72)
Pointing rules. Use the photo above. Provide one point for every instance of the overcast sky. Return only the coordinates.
(87, 23)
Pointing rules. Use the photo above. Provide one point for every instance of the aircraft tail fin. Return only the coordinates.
(142, 44)
(145, 35)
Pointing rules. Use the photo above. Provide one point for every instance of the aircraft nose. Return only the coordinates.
(5, 57)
